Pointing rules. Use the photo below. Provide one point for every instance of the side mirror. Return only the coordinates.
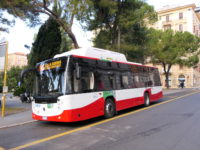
(78, 71)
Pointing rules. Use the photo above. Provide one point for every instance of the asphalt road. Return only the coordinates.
(169, 124)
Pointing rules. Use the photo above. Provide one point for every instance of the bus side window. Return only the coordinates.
(85, 83)
(156, 77)
(151, 76)
(126, 80)
(118, 81)
(76, 83)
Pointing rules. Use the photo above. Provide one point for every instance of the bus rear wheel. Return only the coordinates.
(146, 100)
(109, 108)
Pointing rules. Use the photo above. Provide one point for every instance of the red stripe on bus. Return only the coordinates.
(95, 109)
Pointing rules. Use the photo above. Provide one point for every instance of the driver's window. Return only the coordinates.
(85, 83)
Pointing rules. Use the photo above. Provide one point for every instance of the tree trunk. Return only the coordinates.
(167, 80)
(67, 28)
(73, 38)
(167, 73)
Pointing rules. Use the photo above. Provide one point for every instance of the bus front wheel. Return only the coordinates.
(109, 108)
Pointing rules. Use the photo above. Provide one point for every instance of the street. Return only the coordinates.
(172, 123)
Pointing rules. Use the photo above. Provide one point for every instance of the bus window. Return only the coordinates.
(85, 83)
(125, 81)
(156, 77)
(91, 80)
(76, 83)
(118, 81)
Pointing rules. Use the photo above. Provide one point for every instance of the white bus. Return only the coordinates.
(90, 82)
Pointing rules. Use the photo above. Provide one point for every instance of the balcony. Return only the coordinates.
(173, 22)
(167, 22)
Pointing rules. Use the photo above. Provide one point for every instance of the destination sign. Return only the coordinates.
(51, 65)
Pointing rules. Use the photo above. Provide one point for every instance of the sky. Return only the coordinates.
(21, 35)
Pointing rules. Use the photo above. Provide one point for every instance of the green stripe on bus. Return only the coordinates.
(107, 94)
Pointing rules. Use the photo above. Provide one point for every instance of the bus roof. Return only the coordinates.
(95, 53)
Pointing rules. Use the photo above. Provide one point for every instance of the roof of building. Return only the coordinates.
(169, 8)
(18, 53)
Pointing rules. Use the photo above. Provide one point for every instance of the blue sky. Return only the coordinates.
(20, 34)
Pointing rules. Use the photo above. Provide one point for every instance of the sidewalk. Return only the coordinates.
(23, 115)
(176, 90)
(26, 116)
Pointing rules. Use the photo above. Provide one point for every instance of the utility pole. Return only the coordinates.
(4, 46)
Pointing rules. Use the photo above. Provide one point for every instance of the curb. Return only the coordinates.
(17, 124)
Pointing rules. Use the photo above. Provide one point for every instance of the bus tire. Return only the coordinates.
(146, 99)
(109, 108)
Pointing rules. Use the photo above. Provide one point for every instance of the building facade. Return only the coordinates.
(180, 18)
(17, 59)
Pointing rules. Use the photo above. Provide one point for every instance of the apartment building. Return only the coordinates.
(180, 18)
(17, 59)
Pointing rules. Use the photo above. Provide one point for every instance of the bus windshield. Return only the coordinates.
(51, 80)
(50, 83)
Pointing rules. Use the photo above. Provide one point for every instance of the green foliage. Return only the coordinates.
(47, 43)
(120, 26)
(13, 77)
(169, 48)
(30, 10)
(19, 90)
(23, 9)
(66, 43)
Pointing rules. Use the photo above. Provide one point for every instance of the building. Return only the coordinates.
(180, 18)
(17, 59)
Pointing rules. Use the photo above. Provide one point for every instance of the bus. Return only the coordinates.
(90, 82)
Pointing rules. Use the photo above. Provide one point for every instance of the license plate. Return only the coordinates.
(44, 118)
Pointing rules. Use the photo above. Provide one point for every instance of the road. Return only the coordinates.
(169, 124)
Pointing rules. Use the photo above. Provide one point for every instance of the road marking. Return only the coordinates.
(169, 96)
(17, 124)
(97, 123)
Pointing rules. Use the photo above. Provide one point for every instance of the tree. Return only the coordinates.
(120, 24)
(29, 10)
(13, 78)
(66, 43)
(47, 43)
(168, 48)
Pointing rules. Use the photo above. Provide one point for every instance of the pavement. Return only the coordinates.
(25, 116)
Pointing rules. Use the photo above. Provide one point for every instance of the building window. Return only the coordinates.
(180, 27)
(194, 29)
(167, 18)
(181, 15)
(166, 27)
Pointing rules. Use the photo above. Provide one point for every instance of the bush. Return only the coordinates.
(18, 91)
